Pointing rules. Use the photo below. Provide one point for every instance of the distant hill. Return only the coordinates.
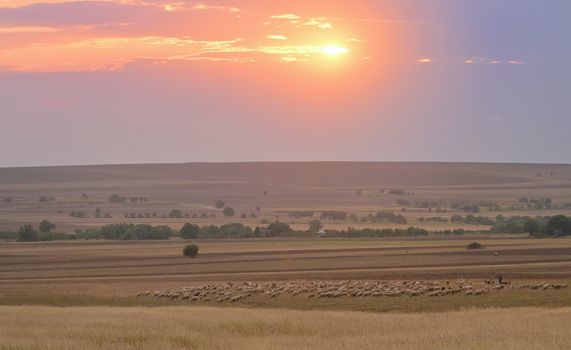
(302, 174)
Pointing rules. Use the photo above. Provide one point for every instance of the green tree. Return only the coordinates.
(531, 226)
(315, 225)
(163, 232)
(219, 204)
(558, 225)
(190, 250)
(27, 233)
(175, 213)
(46, 226)
(115, 198)
(228, 211)
(279, 228)
(189, 231)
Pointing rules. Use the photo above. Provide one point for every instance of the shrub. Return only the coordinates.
(390, 217)
(117, 199)
(315, 225)
(301, 214)
(8, 235)
(279, 228)
(190, 250)
(334, 215)
(46, 226)
(27, 233)
(474, 245)
(228, 211)
(175, 214)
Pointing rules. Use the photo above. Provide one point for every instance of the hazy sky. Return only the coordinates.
(131, 81)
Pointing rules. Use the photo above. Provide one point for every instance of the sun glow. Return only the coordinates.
(332, 50)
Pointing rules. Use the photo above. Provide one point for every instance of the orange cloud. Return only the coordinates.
(277, 37)
(22, 30)
(289, 16)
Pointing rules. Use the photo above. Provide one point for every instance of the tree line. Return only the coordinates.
(548, 226)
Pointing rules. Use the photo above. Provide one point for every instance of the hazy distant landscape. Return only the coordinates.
(280, 191)
(284, 175)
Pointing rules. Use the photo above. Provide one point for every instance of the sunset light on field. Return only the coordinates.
(285, 174)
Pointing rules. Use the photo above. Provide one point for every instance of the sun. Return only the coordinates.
(334, 50)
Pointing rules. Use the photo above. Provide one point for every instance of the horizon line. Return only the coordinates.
(285, 162)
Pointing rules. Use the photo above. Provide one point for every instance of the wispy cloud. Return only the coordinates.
(484, 60)
(22, 30)
(292, 19)
(277, 37)
(288, 16)
(320, 22)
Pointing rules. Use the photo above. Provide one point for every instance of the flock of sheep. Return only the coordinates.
(234, 292)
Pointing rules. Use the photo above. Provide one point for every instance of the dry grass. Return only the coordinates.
(211, 328)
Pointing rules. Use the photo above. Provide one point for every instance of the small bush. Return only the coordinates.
(229, 211)
(175, 214)
(190, 250)
(474, 245)
(27, 233)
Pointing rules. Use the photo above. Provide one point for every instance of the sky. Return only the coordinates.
(163, 81)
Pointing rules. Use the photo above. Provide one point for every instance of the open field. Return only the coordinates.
(213, 328)
(276, 188)
(111, 273)
(83, 294)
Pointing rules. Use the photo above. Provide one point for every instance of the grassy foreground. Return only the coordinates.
(34, 327)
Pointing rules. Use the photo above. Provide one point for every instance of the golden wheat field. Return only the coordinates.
(211, 328)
